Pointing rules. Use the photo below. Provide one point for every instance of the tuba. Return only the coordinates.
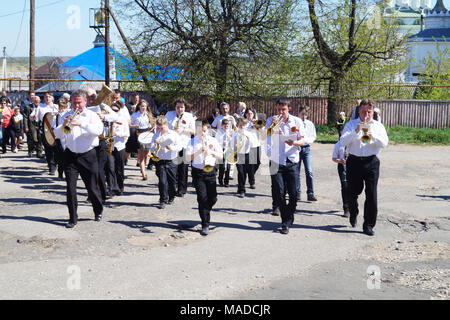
(104, 96)
(68, 127)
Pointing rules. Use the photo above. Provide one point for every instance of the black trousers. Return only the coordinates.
(255, 161)
(34, 141)
(118, 163)
(285, 179)
(342, 171)
(9, 136)
(363, 173)
(166, 171)
(59, 157)
(224, 173)
(182, 172)
(244, 169)
(86, 165)
(102, 159)
(206, 189)
(49, 155)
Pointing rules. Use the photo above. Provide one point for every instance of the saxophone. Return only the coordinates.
(110, 139)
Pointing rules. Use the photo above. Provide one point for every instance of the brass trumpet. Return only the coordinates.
(206, 168)
(365, 138)
(68, 127)
(260, 123)
(154, 155)
(274, 126)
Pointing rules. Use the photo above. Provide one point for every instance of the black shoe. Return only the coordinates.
(284, 230)
(241, 195)
(299, 198)
(311, 197)
(276, 211)
(170, 201)
(353, 221)
(205, 231)
(369, 231)
(118, 193)
(109, 195)
(70, 225)
(252, 186)
(221, 183)
(98, 217)
(161, 205)
(180, 194)
(226, 185)
(52, 173)
(346, 214)
(39, 155)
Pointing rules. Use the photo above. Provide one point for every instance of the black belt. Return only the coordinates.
(361, 158)
(78, 154)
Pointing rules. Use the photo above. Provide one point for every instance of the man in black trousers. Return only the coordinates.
(80, 157)
(364, 138)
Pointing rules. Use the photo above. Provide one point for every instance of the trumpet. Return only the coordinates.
(274, 126)
(365, 138)
(206, 168)
(154, 155)
(68, 127)
(260, 123)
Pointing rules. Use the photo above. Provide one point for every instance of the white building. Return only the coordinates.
(436, 29)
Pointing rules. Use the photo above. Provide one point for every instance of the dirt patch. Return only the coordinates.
(434, 280)
(39, 242)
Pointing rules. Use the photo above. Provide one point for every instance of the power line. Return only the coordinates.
(42, 6)
(20, 28)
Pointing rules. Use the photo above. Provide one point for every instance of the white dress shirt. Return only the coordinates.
(217, 123)
(276, 147)
(121, 133)
(43, 109)
(171, 138)
(186, 121)
(57, 120)
(196, 145)
(83, 138)
(254, 137)
(352, 140)
(244, 138)
(310, 132)
(141, 120)
(223, 139)
(338, 151)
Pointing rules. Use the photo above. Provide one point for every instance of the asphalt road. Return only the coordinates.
(141, 252)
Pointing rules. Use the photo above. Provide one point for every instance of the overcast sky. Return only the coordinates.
(62, 27)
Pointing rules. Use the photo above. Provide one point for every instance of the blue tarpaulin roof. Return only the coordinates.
(94, 61)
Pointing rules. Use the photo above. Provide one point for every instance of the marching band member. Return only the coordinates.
(203, 152)
(165, 147)
(241, 144)
(364, 139)
(142, 120)
(45, 107)
(224, 138)
(183, 123)
(286, 136)
(339, 156)
(121, 133)
(60, 143)
(107, 116)
(82, 127)
(255, 145)
(305, 155)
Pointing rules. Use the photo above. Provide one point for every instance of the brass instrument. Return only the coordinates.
(154, 154)
(260, 123)
(68, 127)
(274, 126)
(232, 153)
(365, 138)
(110, 139)
(178, 121)
(206, 168)
(104, 96)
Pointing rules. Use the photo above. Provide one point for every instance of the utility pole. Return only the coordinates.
(107, 42)
(4, 69)
(32, 10)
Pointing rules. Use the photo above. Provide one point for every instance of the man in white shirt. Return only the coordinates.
(363, 166)
(305, 155)
(117, 162)
(166, 170)
(286, 136)
(183, 123)
(80, 157)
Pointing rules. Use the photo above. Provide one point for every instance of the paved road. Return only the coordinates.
(141, 252)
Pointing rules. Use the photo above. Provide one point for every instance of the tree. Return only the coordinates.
(435, 72)
(345, 34)
(221, 45)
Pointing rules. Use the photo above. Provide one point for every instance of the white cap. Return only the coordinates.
(342, 113)
(376, 110)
